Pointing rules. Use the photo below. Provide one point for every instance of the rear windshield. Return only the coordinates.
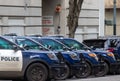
(113, 42)
(102, 43)
(95, 43)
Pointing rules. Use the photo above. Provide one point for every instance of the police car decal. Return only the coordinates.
(10, 60)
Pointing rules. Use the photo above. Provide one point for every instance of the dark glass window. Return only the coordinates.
(27, 44)
(5, 44)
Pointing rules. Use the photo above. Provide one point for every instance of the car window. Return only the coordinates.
(53, 45)
(5, 44)
(113, 42)
(73, 44)
(95, 43)
(27, 44)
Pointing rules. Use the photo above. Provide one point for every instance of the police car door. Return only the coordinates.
(10, 60)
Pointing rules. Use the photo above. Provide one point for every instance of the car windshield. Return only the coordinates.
(6, 45)
(28, 44)
(10, 38)
(52, 44)
(73, 44)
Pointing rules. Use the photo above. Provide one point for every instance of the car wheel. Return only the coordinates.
(63, 74)
(36, 72)
(85, 72)
(103, 71)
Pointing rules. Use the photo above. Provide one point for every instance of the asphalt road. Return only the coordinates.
(105, 78)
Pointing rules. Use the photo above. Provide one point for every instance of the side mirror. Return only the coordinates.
(49, 47)
(16, 48)
(92, 47)
(85, 48)
(73, 48)
(64, 48)
(26, 46)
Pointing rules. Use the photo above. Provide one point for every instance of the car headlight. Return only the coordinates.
(93, 55)
(52, 56)
(74, 56)
(111, 55)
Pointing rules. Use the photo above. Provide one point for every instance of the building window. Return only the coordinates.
(108, 22)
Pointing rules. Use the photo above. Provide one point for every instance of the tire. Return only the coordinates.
(118, 71)
(103, 71)
(36, 72)
(65, 72)
(85, 72)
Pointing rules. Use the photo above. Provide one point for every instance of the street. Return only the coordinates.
(105, 78)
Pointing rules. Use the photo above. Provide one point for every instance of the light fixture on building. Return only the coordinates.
(58, 30)
(58, 8)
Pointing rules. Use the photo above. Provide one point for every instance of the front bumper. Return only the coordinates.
(56, 69)
(77, 67)
(97, 67)
(115, 67)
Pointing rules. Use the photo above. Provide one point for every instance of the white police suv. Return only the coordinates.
(19, 64)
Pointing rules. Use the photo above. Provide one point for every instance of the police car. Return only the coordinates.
(74, 64)
(17, 63)
(111, 65)
(109, 44)
(55, 45)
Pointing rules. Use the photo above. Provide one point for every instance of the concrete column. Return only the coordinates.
(101, 17)
(63, 18)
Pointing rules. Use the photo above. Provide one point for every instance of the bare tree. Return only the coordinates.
(73, 16)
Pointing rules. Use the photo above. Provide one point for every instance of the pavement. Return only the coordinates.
(105, 78)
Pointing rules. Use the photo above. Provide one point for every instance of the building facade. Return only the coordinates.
(109, 14)
(91, 19)
(20, 16)
(25, 17)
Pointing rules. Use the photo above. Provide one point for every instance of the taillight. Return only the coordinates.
(110, 49)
